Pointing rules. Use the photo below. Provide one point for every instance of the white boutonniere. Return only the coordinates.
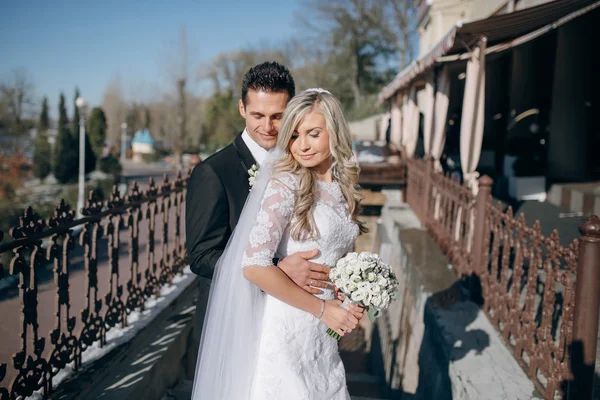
(253, 174)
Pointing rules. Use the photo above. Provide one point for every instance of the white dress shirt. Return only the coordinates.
(258, 152)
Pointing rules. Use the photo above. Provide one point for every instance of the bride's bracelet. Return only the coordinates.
(322, 309)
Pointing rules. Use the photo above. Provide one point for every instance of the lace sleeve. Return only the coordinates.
(271, 221)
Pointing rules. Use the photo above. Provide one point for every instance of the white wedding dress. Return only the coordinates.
(296, 359)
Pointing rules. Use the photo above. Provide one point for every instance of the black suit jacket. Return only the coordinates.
(217, 191)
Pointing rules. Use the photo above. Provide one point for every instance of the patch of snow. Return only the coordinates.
(98, 175)
(369, 158)
(136, 321)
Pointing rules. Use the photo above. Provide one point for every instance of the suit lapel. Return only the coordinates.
(246, 157)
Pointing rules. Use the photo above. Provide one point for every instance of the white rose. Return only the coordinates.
(363, 285)
(367, 265)
(359, 295)
(371, 277)
(385, 300)
(351, 256)
(382, 281)
(353, 267)
(376, 301)
(367, 300)
(374, 288)
(339, 283)
(349, 287)
(251, 179)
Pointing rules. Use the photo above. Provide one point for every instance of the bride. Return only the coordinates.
(264, 337)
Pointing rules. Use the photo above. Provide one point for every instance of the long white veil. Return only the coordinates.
(233, 321)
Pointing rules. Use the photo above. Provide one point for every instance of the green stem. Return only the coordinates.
(333, 334)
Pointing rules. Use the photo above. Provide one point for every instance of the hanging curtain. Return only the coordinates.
(442, 100)
(429, 113)
(395, 133)
(410, 132)
(471, 130)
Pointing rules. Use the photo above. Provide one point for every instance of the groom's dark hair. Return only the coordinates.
(270, 77)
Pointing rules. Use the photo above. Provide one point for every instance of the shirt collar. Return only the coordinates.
(258, 152)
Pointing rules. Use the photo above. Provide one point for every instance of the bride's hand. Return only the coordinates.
(356, 310)
(342, 321)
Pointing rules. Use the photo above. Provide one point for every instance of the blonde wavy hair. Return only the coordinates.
(344, 170)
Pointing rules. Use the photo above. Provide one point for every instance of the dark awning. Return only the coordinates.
(496, 29)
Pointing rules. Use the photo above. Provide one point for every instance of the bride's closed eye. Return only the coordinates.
(315, 133)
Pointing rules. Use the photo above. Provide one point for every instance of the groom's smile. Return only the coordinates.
(263, 112)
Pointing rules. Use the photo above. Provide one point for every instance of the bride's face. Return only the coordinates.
(310, 142)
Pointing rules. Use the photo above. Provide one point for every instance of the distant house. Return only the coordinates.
(142, 143)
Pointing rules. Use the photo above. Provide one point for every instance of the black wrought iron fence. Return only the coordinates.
(97, 241)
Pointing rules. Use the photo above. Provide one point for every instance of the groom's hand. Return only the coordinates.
(305, 273)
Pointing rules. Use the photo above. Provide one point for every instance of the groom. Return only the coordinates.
(218, 187)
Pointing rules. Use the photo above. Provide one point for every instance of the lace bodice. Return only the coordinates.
(297, 360)
(270, 236)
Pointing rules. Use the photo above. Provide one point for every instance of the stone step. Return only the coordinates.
(182, 391)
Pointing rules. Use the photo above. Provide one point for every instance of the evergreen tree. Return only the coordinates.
(75, 120)
(97, 130)
(90, 156)
(66, 151)
(42, 152)
(44, 118)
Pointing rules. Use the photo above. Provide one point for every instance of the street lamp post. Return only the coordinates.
(81, 104)
(123, 142)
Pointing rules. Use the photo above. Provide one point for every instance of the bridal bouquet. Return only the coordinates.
(365, 280)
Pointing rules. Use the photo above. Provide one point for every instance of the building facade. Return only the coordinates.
(505, 88)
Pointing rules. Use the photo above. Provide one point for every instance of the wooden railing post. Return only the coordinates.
(587, 306)
(484, 196)
(427, 187)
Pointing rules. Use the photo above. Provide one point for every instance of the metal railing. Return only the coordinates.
(542, 297)
(97, 239)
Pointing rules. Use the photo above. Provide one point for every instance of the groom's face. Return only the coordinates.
(263, 112)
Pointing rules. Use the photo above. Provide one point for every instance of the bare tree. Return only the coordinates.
(227, 70)
(17, 94)
(401, 27)
(362, 44)
(178, 66)
(354, 40)
(181, 100)
(115, 108)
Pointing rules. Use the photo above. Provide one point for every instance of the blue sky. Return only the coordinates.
(65, 43)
